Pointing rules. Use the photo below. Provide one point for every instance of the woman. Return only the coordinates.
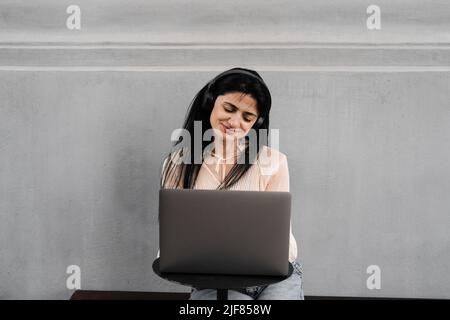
(234, 104)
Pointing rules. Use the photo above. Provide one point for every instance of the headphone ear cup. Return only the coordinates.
(259, 122)
(207, 100)
(208, 97)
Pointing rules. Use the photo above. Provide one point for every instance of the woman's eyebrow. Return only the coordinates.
(246, 112)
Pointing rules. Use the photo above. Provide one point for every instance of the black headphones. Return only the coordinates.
(209, 96)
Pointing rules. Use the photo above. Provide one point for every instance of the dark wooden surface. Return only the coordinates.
(133, 295)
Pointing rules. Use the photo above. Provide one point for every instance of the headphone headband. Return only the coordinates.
(235, 71)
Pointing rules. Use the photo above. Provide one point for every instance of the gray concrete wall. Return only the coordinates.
(86, 117)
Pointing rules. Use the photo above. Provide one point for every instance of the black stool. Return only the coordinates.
(219, 282)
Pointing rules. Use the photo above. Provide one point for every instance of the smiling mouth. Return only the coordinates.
(229, 130)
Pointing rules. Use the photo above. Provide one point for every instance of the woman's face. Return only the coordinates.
(234, 114)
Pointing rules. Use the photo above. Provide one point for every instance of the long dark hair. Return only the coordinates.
(245, 81)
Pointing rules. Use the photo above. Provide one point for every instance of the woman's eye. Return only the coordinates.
(247, 119)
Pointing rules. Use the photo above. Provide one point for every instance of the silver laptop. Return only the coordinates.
(224, 232)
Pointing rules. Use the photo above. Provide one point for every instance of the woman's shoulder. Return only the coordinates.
(271, 152)
(171, 170)
(175, 157)
(270, 160)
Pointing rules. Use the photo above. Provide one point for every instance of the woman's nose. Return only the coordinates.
(234, 121)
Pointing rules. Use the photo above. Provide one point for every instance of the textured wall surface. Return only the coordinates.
(86, 117)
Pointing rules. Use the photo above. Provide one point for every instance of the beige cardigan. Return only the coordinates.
(269, 173)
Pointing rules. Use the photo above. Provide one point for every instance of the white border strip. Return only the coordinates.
(221, 68)
(223, 46)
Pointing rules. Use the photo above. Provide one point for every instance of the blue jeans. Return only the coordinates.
(289, 289)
